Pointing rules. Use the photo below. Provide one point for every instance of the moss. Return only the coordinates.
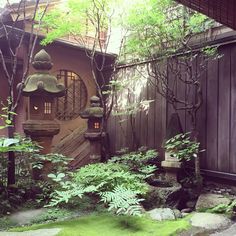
(92, 112)
(6, 223)
(109, 225)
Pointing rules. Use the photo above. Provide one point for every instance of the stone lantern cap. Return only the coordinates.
(94, 111)
(41, 82)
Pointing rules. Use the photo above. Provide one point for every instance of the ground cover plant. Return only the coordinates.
(120, 184)
(182, 147)
(110, 225)
(228, 209)
(29, 163)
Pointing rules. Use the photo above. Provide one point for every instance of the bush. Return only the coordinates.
(138, 162)
(182, 147)
(229, 209)
(106, 176)
(27, 160)
(53, 214)
(119, 183)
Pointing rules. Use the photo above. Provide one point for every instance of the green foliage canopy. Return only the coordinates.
(79, 18)
(161, 28)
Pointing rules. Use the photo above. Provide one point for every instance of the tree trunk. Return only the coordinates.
(197, 170)
(11, 179)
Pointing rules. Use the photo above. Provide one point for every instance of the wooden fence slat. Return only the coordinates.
(151, 114)
(224, 110)
(233, 112)
(181, 90)
(202, 113)
(212, 113)
(143, 120)
(112, 133)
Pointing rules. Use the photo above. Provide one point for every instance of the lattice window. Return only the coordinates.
(75, 99)
(96, 125)
(47, 108)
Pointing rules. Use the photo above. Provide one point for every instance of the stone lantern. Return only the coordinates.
(94, 132)
(42, 88)
(171, 164)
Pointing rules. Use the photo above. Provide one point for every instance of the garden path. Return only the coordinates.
(25, 217)
(209, 224)
(231, 231)
(39, 232)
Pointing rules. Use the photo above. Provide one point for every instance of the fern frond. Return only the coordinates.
(122, 201)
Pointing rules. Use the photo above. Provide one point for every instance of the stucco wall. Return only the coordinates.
(20, 117)
(3, 94)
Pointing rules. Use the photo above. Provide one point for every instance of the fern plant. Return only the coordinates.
(138, 162)
(114, 185)
(122, 201)
(109, 175)
(119, 183)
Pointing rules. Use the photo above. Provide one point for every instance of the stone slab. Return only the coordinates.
(171, 164)
(231, 231)
(161, 214)
(25, 217)
(210, 200)
(39, 232)
(209, 221)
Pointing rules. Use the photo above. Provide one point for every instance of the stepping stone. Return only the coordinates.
(25, 217)
(230, 231)
(38, 232)
(209, 221)
(162, 214)
(210, 200)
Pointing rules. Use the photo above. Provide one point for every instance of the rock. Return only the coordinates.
(194, 231)
(210, 200)
(164, 197)
(190, 204)
(25, 217)
(209, 221)
(177, 213)
(185, 214)
(161, 214)
(175, 196)
(38, 232)
(233, 190)
(230, 231)
(186, 210)
(153, 199)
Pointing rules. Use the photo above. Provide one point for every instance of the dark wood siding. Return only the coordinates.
(216, 117)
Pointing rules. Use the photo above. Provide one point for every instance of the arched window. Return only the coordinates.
(75, 99)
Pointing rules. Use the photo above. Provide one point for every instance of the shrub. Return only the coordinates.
(53, 214)
(27, 161)
(138, 161)
(119, 183)
(106, 176)
(182, 147)
(229, 209)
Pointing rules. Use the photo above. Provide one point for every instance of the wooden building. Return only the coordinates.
(71, 66)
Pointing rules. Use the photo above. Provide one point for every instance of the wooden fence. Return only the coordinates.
(216, 121)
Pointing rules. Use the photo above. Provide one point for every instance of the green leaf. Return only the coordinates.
(10, 141)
